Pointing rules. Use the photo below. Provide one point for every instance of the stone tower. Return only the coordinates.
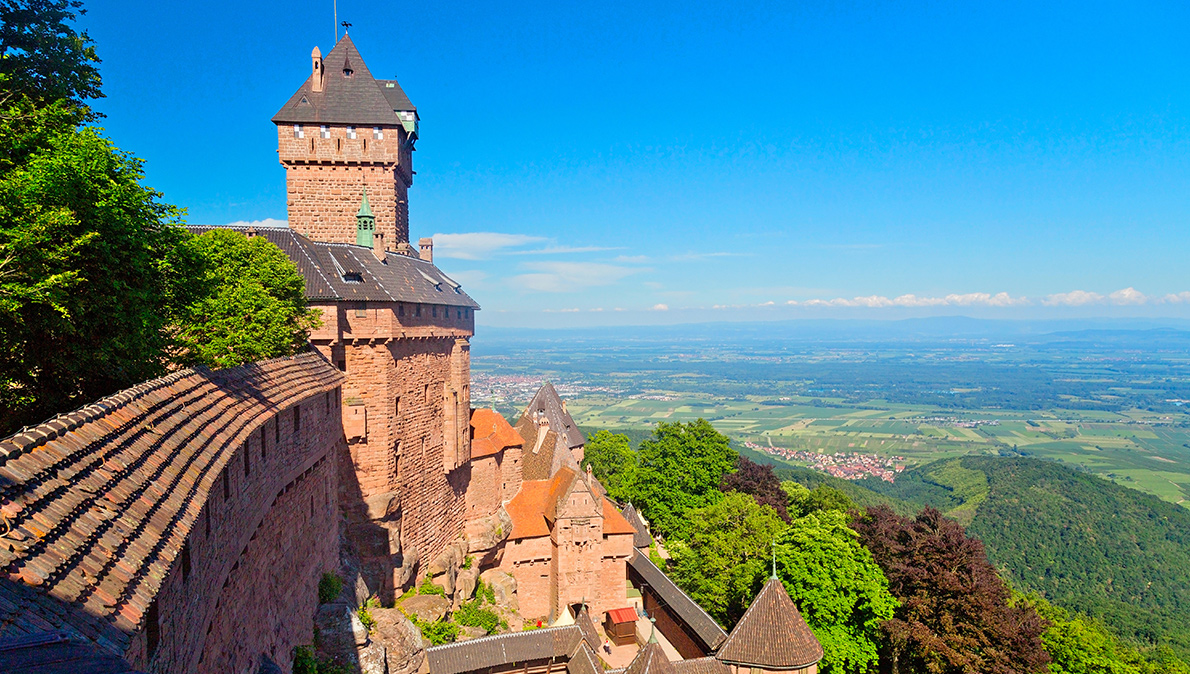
(341, 132)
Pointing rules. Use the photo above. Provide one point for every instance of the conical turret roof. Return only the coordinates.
(365, 210)
(772, 634)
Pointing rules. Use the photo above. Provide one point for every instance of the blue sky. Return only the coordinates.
(602, 163)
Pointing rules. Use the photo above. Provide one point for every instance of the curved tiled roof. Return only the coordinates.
(772, 634)
(707, 665)
(97, 503)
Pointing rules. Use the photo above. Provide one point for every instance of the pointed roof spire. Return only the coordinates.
(365, 210)
(772, 634)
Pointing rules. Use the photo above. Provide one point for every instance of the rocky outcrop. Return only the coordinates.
(484, 535)
(427, 607)
(503, 586)
(465, 584)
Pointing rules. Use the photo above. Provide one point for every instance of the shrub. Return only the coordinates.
(304, 661)
(472, 614)
(438, 632)
(485, 591)
(428, 587)
(467, 562)
(329, 587)
(365, 616)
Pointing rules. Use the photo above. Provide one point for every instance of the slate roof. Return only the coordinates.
(57, 653)
(98, 502)
(772, 634)
(640, 538)
(491, 434)
(541, 459)
(681, 605)
(586, 627)
(584, 662)
(360, 99)
(502, 649)
(547, 400)
(329, 270)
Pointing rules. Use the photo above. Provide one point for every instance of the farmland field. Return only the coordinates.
(1117, 412)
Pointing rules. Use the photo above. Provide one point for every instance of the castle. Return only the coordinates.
(182, 525)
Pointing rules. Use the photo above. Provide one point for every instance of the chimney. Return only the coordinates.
(316, 78)
(251, 232)
(427, 249)
(378, 246)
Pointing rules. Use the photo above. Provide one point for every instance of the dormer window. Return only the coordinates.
(377, 133)
(352, 277)
(351, 132)
(298, 131)
(324, 131)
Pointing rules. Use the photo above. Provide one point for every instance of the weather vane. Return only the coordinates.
(346, 25)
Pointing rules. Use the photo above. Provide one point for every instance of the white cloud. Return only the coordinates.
(560, 277)
(956, 300)
(1178, 298)
(267, 222)
(559, 250)
(660, 307)
(1074, 298)
(1128, 295)
(478, 245)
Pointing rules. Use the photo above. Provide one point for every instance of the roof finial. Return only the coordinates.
(346, 26)
(774, 559)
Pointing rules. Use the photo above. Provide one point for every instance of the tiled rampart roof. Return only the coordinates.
(680, 604)
(772, 634)
(97, 503)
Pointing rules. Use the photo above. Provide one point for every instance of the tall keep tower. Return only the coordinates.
(341, 132)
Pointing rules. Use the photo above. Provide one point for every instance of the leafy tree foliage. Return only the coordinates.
(955, 614)
(613, 462)
(42, 58)
(253, 305)
(842, 593)
(679, 469)
(758, 481)
(727, 551)
(824, 497)
(89, 271)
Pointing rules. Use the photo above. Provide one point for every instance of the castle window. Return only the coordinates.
(418, 311)
(247, 459)
(263, 453)
(352, 277)
(185, 562)
(351, 132)
(397, 406)
(226, 483)
(207, 519)
(298, 132)
(277, 431)
(324, 131)
(377, 133)
(435, 310)
(400, 309)
(361, 311)
(297, 419)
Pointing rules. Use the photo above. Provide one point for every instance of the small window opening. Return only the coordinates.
(338, 143)
(434, 309)
(365, 145)
(417, 311)
(207, 519)
(397, 406)
(324, 131)
(328, 402)
(400, 309)
(426, 393)
(276, 431)
(297, 419)
(247, 460)
(351, 132)
(361, 311)
(377, 133)
(226, 483)
(263, 452)
(298, 131)
(185, 562)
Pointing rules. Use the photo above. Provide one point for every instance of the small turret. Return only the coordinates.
(317, 76)
(365, 223)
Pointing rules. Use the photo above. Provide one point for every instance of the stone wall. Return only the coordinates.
(246, 582)
(325, 178)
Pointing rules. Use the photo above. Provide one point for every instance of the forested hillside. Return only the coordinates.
(1085, 543)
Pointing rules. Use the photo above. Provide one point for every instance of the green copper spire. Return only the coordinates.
(365, 223)
(653, 632)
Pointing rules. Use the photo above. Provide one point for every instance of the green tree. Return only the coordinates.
(1078, 644)
(729, 546)
(90, 270)
(803, 501)
(43, 59)
(680, 468)
(253, 305)
(613, 462)
(839, 588)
